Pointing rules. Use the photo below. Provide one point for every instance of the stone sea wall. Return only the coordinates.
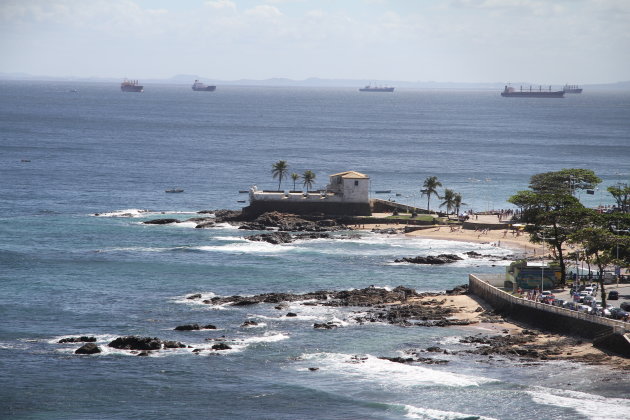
(608, 332)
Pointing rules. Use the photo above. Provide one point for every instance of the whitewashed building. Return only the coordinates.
(347, 193)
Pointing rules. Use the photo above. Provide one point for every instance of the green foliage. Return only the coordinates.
(294, 177)
(449, 200)
(430, 186)
(621, 196)
(566, 181)
(279, 170)
(308, 178)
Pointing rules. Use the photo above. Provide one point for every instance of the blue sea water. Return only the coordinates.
(64, 272)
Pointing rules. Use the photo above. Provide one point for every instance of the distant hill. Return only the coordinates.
(188, 79)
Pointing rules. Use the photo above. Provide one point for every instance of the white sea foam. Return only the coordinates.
(593, 406)
(431, 414)
(248, 247)
(372, 369)
(238, 345)
(124, 213)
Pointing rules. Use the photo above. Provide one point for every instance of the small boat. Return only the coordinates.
(243, 191)
(383, 191)
(174, 190)
(241, 201)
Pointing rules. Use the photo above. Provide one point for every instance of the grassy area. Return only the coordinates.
(423, 217)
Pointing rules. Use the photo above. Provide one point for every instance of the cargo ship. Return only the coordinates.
(200, 87)
(131, 86)
(572, 89)
(370, 88)
(510, 92)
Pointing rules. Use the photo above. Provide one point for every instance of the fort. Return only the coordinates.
(347, 194)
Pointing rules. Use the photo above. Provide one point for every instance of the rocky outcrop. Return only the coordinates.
(194, 327)
(82, 339)
(132, 342)
(161, 221)
(221, 346)
(275, 238)
(89, 348)
(291, 223)
(431, 259)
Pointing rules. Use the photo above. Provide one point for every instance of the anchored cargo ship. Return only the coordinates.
(131, 86)
(200, 87)
(510, 92)
(572, 89)
(370, 88)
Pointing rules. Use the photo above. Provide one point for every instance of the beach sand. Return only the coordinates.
(552, 346)
(466, 307)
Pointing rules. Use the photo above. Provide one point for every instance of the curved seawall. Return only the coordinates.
(606, 333)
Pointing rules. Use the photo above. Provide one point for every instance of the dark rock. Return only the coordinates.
(173, 345)
(459, 290)
(209, 327)
(188, 327)
(89, 348)
(132, 342)
(275, 238)
(205, 225)
(82, 339)
(249, 324)
(221, 346)
(195, 296)
(434, 349)
(291, 314)
(161, 221)
(313, 369)
(398, 359)
(431, 259)
(144, 353)
(325, 326)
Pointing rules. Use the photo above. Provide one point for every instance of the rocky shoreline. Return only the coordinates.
(403, 307)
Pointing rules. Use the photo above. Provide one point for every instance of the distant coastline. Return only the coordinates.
(185, 79)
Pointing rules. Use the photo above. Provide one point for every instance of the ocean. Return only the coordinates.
(65, 271)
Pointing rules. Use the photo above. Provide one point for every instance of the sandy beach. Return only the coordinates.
(515, 338)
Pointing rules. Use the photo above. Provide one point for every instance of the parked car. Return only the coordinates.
(559, 302)
(618, 313)
(613, 295)
(589, 290)
(588, 300)
(625, 306)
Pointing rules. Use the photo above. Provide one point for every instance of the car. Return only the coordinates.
(559, 302)
(613, 295)
(625, 306)
(618, 313)
(588, 300)
(589, 290)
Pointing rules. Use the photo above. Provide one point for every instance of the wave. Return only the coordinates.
(248, 247)
(372, 369)
(431, 414)
(134, 213)
(595, 407)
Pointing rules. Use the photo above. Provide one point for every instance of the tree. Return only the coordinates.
(551, 211)
(621, 196)
(449, 201)
(279, 170)
(430, 187)
(308, 177)
(294, 177)
(457, 201)
(597, 243)
(566, 181)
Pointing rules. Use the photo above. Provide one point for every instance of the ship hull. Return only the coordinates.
(533, 94)
(204, 89)
(376, 89)
(135, 88)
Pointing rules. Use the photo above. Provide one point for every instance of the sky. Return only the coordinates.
(468, 41)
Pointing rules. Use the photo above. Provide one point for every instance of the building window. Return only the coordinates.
(356, 183)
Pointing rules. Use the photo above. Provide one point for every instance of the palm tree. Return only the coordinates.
(294, 177)
(279, 170)
(457, 201)
(449, 200)
(430, 188)
(308, 177)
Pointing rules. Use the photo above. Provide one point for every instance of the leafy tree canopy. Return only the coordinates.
(565, 181)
